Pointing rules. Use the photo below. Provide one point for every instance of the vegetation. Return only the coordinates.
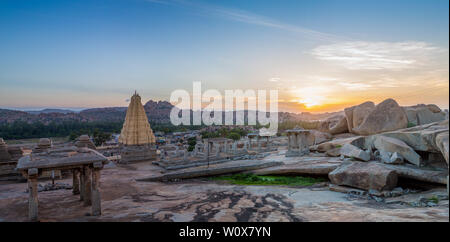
(73, 129)
(24, 130)
(191, 142)
(235, 133)
(302, 124)
(411, 125)
(250, 179)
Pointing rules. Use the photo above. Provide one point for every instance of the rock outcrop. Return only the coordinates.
(355, 115)
(364, 175)
(392, 145)
(386, 116)
(443, 144)
(336, 124)
(316, 137)
(423, 114)
(422, 138)
(352, 151)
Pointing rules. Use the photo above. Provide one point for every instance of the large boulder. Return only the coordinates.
(349, 150)
(336, 124)
(423, 114)
(443, 144)
(355, 115)
(357, 141)
(364, 175)
(387, 144)
(316, 137)
(386, 116)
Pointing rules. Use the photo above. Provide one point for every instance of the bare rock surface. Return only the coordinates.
(125, 199)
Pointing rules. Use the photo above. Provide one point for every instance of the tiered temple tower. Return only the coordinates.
(136, 139)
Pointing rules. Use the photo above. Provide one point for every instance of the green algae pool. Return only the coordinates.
(251, 179)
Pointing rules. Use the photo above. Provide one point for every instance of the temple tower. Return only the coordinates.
(136, 138)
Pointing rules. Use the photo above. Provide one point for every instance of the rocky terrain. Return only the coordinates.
(126, 199)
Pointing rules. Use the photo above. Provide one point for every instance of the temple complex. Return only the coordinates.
(136, 138)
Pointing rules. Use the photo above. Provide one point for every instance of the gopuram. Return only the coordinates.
(136, 141)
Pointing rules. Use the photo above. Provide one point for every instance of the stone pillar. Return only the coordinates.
(289, 142)
(82, 184)
(302, 141)
(96, 198)
(217, 151)
(225, 148)
(258, 140)
(185, 155)
(33, 201)
(295, 139)
(75, 181)
(234, 147)
(87, 186)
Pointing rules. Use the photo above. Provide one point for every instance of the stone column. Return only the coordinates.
(225, 148)
(217, 151)
(87, 186)
(295, 145)
(235, 147)
(82, 184)
(185, 155)
(258, 140)
(96, 198)
(289, 142)
(303, 143)
(75, 181)
(33, 201)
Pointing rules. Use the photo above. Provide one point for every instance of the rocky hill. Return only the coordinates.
(157, 112)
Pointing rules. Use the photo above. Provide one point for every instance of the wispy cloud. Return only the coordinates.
(251, 18)
(363, 55)
(355, 86)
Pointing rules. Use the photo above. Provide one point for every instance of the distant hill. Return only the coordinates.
(51, 110)
(157, 112)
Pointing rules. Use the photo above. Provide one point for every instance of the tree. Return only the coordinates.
(234, 136)
(100, 137)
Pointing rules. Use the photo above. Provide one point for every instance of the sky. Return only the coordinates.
(321, 55)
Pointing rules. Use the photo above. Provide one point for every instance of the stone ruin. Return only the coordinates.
(212, 151)
(8, 160)
(43, 145)
(85, 141)
(297, 142)
(136, 141)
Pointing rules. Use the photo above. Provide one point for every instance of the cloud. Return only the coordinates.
(355, 86)
(362, 55)
(238, 15)
(274, 79)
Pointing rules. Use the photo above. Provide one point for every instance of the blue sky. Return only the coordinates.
(96, 53)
